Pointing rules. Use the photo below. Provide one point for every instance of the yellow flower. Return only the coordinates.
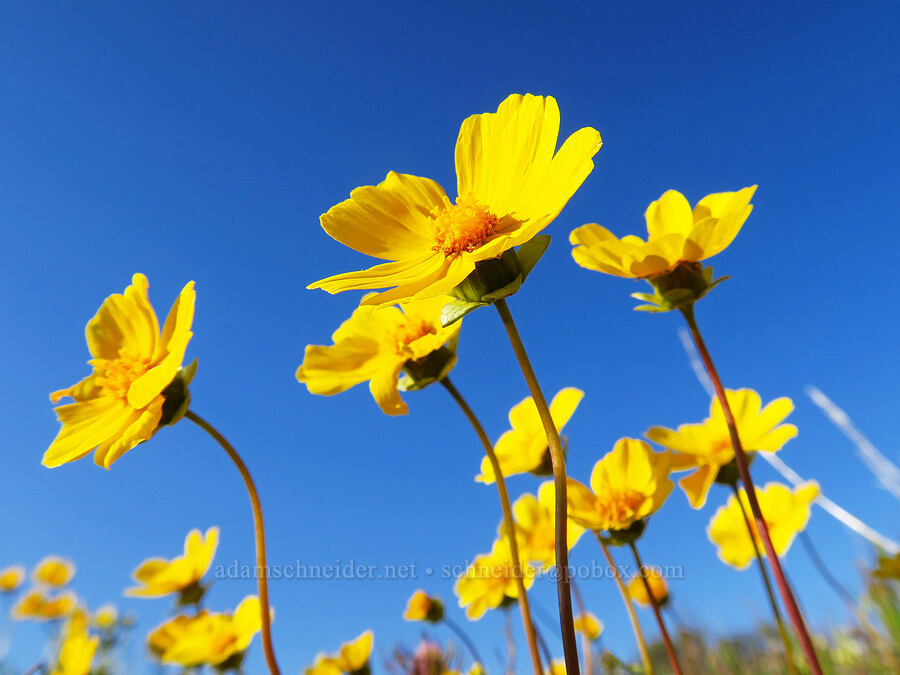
(536, 526)
(423, 607)
(35, 605)
(106, 617)
(375, 344)
(524, 447)
(78, 648)
(120, 404)
(589, 625)
(323, 665)
(53, 571)
(557, 668)
(638, 591)
(11, 578)
(707, 446)
(629, 483)
(490, 580)
(159, 577)
(510, 186)
(676, 234)
(352, 657)
(786, 513)
(206, 638)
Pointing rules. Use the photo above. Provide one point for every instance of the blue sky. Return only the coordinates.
(202, 142)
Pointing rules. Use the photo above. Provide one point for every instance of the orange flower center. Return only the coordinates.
(618, 508)
(117, 375)
(463, 226)
(410, 331)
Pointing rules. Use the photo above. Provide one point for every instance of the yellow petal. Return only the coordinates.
(670, 214)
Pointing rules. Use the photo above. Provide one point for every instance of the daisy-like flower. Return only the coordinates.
(11, 578)
(511, 183)
(535, 526)
(376, 344)
(37, 606)
(588, 625)
(106, 617)
(121, 404)
(53, 571)
(158, 577)
(206, 638)
(76, 653)
(353, 658)
(490, 581)
(707, 448)
(629, 484)
(785, 511)
(423, 607)
(638, 591)
(524, 447)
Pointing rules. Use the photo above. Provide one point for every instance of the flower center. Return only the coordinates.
(117, 375)
(619, 507)
(463, 226)
(410, 331)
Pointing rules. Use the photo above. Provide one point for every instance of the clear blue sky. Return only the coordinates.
(202, 141)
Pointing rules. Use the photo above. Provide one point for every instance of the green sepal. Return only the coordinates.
(624, 537)
(177, 395)
(678, 289)
(456, 309)
(531, 252)
(429, 369)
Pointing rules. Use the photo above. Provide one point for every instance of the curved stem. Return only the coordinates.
(743, 466)
(259, 527)
(629, 607)
(558, 460)
(667, 641)
(587, 654)
(508, 523)
(779, 622)
(461, 634)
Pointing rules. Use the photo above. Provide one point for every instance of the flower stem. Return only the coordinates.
(259, 527)
(461, 634)
(743, 466)
(587, 654)
(629, 607)
(508, 523)
(670, 648)
(788, 651)
(558, 460)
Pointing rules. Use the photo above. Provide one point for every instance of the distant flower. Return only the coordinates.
(490, 581)
(707, 446)
(524, 447)
(11, 578)
(106, 617)
(786, 513)
(511, 185)
(53, 571)
(159, 577)
(588, 625)
(206, 638)
(629, 483)
(536, 526)
(374, 345)
(657, 583)
(120, 404)
(353, 657)
(888, 567)
(37, 606)
(76, 653)
(423, 607)
(557, 667)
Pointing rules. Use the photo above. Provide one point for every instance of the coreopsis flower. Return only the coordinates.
(510, 185)
(53, 571)
(535, 521)
(423, 607)
(106, 617)
(11, 578)
(206, 638)
(557, 667)
(629, 484)
(490, 580)
(376, 344)
(786, 513)
(76, 653)
(588, 625)
(158, 577)
(707, 447)
(353, 657)
(121, 404)
(523, 448)
(658, 586)
(37, 606)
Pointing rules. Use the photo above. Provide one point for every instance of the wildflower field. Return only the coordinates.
(341, 416)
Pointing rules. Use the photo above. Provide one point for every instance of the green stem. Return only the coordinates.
(558, 460)
(667, 641)
(260, 531)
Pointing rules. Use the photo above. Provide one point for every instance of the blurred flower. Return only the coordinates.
(786, 513)
(557, 668)
(888, 567)
(535, 519)
(53, 571)
(375, 344)
(353, 657)
(676, 234)
(423, 607)
(77, 650)
(11, 578)
(629, 483)
(510, 184)
(121, 404)
(707, 446)
(638, 591)
(106, 617)
(490, 580)
(39, 607)
(206, 638)
(159, 577)
(524, 447)
(588, 625)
